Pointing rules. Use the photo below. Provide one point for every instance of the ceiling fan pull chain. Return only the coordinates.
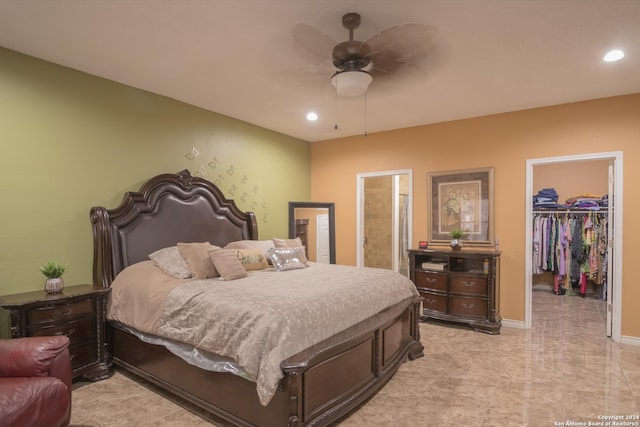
(336, 125)
(365, 114)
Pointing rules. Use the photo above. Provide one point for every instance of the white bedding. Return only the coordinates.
(261, 320)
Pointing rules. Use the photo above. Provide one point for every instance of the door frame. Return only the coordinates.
(614, 301)
(360, 208)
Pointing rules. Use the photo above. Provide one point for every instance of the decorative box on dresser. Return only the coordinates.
(78, 312)
(459, 286)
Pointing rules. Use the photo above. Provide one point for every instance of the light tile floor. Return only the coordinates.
(564, 371)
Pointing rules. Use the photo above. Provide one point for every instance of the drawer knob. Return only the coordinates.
(468, 284)
(430, 279)
(468, 305)
(430, 301)
(64, 313)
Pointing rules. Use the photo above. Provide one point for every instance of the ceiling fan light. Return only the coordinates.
(352, 82)
(614, 55)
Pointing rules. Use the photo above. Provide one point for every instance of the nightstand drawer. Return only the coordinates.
(82, 354)
(77, 330)
(470, 307)
(61, 312)
(431, 280)
(468, 284)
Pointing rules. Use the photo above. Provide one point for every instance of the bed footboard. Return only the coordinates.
(321, 384)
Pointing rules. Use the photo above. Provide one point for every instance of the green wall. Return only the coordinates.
(70, 141)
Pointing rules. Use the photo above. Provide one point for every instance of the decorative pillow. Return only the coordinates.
(196, 255)
(284, 259)
(287, 243)
(227, 264)
(251, 259)
(302, 252)
(171, 262)
(262, 245)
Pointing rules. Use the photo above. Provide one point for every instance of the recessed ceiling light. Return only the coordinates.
(312, 117)
(614, 55)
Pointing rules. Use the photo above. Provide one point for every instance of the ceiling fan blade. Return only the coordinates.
(409, 42)
(314, 40)
(406, 54)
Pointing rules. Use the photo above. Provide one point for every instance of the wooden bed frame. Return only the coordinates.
(321, 384)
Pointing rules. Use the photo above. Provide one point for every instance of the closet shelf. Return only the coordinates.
(569, 210)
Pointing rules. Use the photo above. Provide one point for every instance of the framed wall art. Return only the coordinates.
(460, 200)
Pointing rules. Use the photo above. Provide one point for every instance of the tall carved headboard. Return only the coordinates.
(168, 209)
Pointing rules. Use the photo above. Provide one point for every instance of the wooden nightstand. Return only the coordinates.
(78, 312)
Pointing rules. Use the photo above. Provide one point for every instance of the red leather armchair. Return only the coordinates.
(35, 382)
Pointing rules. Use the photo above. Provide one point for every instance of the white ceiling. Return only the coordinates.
(239, 57)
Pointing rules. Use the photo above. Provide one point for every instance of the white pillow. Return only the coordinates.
(171, 262)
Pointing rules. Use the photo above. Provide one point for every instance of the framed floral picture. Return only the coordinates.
(460, 200)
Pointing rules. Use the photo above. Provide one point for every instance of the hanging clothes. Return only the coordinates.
(571, 245)
(577, 251)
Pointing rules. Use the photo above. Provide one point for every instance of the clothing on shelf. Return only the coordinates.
(573, 246)
(547, 198)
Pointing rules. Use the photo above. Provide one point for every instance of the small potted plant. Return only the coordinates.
(456, 239)
(53, 271)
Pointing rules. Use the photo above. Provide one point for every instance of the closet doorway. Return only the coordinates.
(613, 176)
(384, 219)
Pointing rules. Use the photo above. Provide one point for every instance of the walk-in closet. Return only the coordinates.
(569, 229)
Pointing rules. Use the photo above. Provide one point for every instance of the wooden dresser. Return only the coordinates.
(78, 312)
(459, 286)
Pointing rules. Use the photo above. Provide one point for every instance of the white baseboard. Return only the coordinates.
(630, 340)
(518, 324)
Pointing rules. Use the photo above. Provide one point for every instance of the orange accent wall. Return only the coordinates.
(504, 142)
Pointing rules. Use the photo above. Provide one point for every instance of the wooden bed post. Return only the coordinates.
(102, 261)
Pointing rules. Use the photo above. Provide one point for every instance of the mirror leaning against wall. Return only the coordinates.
(314, 224)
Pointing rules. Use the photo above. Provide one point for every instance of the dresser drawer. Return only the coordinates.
(82, 354)
(468, 284)
(431, 280)
(434, 302)
(466, 306)
(60, 313)
(76, 330)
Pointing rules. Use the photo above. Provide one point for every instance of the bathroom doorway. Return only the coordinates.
(384, 213)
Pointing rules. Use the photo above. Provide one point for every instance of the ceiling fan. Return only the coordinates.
(400, 54)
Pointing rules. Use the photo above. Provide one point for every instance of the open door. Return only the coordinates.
(384, 223)
(610, 250)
